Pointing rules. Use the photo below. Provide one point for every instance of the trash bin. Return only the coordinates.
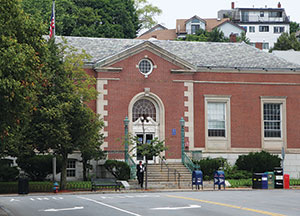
(270, 180)
(219, 179)
(197, 179)
(278, 172)
(286, 178)
(23, 185)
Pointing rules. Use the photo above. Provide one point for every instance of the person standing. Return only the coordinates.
(140, 169)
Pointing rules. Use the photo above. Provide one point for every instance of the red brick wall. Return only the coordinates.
(245, 102)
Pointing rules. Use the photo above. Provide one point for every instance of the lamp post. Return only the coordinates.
(182, 138)
(126, 122)
(143, 119)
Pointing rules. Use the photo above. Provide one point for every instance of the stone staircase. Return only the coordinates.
(158, 178)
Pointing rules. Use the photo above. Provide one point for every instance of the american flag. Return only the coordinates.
(52, 21)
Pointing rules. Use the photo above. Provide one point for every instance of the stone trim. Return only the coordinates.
(240, 83)
(189, 104)
(100, 106)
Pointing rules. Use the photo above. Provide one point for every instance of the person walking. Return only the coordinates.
(140, 169)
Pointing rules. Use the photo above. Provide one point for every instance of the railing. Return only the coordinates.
(163, 162)
(189, 163)
(132, 166)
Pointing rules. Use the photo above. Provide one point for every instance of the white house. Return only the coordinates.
(263, 25)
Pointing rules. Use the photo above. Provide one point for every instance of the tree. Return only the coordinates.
(22, 55)
(87, 135)
(146, 13)
(88, 18)
(243, 38)
(294, 27)
(201, 35)
(258, 162)
(286, 41)
(61, 116)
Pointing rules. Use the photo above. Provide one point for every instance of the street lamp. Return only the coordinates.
(126, 122)
(144, 119)
(182, 138)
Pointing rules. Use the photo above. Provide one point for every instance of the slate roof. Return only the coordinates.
(199, 54)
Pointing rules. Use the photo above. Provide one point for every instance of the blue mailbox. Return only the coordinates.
(197, 179)
(219, 179)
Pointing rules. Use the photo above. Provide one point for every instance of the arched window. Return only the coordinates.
(143, 107)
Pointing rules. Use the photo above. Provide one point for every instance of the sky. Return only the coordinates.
(185, 9)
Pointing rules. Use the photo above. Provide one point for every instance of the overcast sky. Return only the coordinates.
(185, 9)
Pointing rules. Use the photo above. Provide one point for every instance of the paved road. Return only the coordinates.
(207, 203)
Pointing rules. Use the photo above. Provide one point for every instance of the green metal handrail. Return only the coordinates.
(132, 166)
(189, 163)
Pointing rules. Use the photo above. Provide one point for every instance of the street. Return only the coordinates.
(208, 203)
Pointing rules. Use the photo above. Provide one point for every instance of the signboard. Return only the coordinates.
(173, 131)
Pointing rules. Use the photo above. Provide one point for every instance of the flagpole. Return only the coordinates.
(54, 18)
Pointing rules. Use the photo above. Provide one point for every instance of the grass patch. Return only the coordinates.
(240, 183)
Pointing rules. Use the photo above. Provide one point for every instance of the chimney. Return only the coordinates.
(232, 5)
(279, 5)
(232, 38)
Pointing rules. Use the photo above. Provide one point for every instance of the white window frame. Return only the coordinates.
(274, 143)
(264, 28)
(151, 67)
(71, 168)
(218, 143)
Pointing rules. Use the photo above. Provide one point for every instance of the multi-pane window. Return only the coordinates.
(216, 119)
(251, 28)
(143, 107)
(265, 45)
(272, 120)
(278, 29)
(145, 66)
(71, 168)
(275, 14)
(195, 28)
(264, 28)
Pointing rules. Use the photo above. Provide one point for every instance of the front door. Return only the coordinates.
(147, 137)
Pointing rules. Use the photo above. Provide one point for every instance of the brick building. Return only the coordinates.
(234, 98)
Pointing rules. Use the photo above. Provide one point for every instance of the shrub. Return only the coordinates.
(209, 165)
(38, 167)
(8, 173)
(258, 162)
(234, 173)
(118, 169)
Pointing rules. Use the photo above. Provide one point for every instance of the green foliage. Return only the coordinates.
(146, 13)
(243, 38)
(231, 172)
(89, 18)
(258, 162)
(151, 149)
(294, 27)
(37, 167)
(119, 169)
(209, 165)
(8, 173)
(215, 35)
(286, 41)
(22, 55)
(240, 183)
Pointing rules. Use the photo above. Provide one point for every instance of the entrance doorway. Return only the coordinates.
(147, 137)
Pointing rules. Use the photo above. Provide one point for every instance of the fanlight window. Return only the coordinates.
(143, 107)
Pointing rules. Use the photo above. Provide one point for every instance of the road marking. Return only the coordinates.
(177, 208)
(228, 205)
(14, 200)
(64, 209)
(110, 206)
(42, 198)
